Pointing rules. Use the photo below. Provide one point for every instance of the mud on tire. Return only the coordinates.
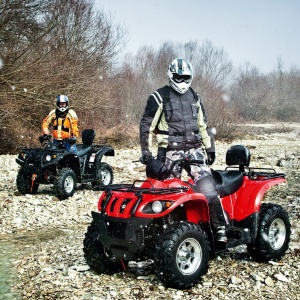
(95, 255)
(182, 255)
(273, 235)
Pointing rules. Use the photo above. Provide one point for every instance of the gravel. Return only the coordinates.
(47, 236)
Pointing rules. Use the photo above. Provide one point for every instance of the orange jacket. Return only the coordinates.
(62, 128)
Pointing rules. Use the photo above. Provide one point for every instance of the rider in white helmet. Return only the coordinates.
(175, 114)
(180, 73)
(63, 122)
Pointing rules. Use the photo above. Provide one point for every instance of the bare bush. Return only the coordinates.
(52, 47)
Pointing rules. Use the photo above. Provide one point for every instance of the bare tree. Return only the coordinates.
(250, 94)
(50, 47)
(266, 97)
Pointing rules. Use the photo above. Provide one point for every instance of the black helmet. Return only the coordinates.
(156, 169)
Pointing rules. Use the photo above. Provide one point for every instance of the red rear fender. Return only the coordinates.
(247, 200)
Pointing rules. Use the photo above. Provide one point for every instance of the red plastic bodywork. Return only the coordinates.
(239, 205)
(247, 199)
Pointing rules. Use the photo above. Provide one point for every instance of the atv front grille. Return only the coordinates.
(34, 158)
(122, 200)
(114, 205)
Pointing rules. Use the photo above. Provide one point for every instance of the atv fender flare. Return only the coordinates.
(251, 197)
(70, 160)
(107, 151)
(195, 206)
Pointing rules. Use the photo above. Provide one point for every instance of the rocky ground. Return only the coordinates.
(46, 235)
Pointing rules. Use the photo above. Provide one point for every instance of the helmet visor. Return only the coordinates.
(182, 78)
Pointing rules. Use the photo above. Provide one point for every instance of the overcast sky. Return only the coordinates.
(254, 31)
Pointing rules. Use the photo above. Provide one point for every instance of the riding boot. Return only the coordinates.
(207, 186)
(218, 222)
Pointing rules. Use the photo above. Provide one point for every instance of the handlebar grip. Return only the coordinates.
(196, 161)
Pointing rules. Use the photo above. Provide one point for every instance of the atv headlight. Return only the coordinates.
(48, 157)
(157, 207)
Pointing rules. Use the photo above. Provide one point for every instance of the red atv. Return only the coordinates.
(166, 221)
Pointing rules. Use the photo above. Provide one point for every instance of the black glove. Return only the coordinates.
(45, 139)
(72, 140)
(211, 157)
(146, 155)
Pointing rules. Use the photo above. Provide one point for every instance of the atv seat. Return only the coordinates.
(88, 136)
(82, 149)
(228, 181)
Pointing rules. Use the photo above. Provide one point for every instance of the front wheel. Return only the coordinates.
(25, 184)
(65, 183)
(273, 235)
(96, 257)
(182, 255)
(104, 175)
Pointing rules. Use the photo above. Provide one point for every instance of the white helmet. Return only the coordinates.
(180, 74)
(62, 99)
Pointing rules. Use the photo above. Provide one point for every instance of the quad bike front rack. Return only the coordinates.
(133, 188)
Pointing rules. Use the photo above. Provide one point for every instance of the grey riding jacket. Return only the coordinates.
(178, 121)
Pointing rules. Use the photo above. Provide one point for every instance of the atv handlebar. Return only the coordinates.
(185, 163)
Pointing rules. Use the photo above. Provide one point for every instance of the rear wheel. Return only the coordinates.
(100, 261)
(65, 183)
(104, 175)
(182, 255)
(25, 185)
(273, 235)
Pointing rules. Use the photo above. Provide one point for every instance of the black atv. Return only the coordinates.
(64, 169)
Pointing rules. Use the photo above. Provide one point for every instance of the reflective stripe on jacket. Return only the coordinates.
(62, 128)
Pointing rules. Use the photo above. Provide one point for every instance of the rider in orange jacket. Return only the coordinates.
(64, 123)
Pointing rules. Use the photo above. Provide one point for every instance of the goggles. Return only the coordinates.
(182, 78)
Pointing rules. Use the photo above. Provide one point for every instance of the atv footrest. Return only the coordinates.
(245, 238)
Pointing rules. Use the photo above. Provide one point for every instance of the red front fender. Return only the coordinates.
(195, 206)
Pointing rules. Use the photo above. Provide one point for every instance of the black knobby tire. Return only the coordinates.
(182, 255)
(65, 183)
(95, 256)
(105, 175)
(24, 184)
(273, 235)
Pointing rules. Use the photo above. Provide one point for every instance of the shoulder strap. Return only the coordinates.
(166, 99)
(166, 90)
(196, 96)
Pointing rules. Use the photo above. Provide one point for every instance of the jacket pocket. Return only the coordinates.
(175, 142)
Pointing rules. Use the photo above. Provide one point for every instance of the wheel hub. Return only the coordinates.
(105, 177)
(69, 184)
(277, 234)
(184, 254)
(189, 256)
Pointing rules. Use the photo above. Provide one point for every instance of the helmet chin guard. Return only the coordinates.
(62, 109)
(180, 73)
(62, 99)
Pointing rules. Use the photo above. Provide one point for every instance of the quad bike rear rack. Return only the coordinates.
(133, 188)
(259, 173)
